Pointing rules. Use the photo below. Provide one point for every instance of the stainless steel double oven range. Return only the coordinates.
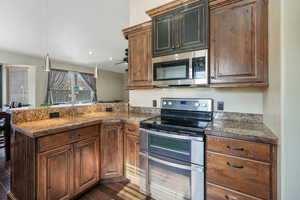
(172, 150)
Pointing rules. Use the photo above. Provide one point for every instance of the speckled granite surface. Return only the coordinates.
(42, 113)
(251, 131)
(36, 122)
(45, 127)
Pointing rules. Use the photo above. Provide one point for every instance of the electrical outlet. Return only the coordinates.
(110, 109)
(220, 105)
(154, 103)
(54, 115)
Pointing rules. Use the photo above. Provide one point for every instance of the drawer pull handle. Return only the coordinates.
(74, 136)
(131, 130)
(235, 166)
(230, 198)
(235, 148)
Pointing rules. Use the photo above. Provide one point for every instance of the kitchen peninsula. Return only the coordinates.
(61, 158)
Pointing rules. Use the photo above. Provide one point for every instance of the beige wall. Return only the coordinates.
(246, 100)
(290, 99)
(110, 85)
(272, 96)
(236, 100)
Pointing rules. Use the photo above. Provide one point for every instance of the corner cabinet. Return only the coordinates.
(112, 151)
(180, 30)
(132, 150)
(238, 43)
(140, 56)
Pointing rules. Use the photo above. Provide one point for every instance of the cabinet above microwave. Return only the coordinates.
(181, 30)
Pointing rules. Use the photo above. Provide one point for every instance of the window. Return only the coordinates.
(17, 85)
(65, 87)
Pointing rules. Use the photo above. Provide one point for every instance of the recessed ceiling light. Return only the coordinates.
(110, 58)
(91, 53)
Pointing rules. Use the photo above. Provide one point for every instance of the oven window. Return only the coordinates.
(171, 144)
(173, 70)
(170, 147)
(168, 182)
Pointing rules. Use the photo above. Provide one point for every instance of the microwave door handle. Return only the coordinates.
(178, 166)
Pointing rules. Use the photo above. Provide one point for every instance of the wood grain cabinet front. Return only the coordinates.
(86, 159)
(242, 175)
(132, 150)
(139, 56)
(65, 171)
(240, 170)
(238, 43)
(112, 151)
(55, 174)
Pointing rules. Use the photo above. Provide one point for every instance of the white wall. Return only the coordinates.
(137, 10)
(244, 100)
(290, 99)
(236, 100)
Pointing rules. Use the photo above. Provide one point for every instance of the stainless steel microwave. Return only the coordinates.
(185, 69)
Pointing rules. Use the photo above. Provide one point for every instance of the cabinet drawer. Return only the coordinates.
(220, 193)
(250, 177)
(252, 150)
(50, 142)
(131, 129)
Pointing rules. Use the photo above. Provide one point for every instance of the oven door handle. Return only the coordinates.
(170, 163)
(183, 137)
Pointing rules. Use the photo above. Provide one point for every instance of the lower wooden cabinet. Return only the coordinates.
(219, 193)
(112, 151)
(55, 174)
(132, 147)
(66, 171)
(246, 176)
(86, 170)
(240, 170)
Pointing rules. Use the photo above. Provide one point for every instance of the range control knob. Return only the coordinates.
(170, 103)
(197, 104)
(164, 103)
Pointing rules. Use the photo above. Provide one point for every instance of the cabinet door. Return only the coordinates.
(164, 31)
(86, 168)
(140, 59)
(239, 44)
(193, 27)
(132, 158)
(55, 174)
(112, 160)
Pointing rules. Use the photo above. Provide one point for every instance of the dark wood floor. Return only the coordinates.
(116, 191)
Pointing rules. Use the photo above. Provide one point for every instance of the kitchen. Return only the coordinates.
(203, 112)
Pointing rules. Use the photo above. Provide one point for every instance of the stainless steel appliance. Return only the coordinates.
(185, 69)
(172, 149)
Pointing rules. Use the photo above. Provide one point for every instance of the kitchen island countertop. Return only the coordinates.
(46, 127)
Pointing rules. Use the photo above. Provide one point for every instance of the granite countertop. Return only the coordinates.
(250, 131)
(45, 127)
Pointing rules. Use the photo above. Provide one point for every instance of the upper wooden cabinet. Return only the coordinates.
(140, 59)
(180, 30)
(238, 43)
(112, 151)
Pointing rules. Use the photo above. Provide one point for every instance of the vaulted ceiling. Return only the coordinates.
(78, 31)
